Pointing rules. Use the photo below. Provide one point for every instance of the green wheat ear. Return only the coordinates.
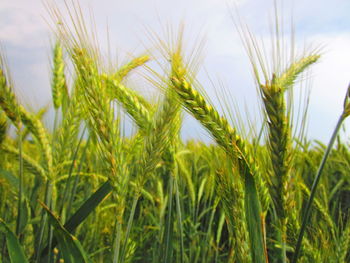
(8, 101)
(18, 115)
(58, 84)
(36, 127)
(289, 76)
(235, 147)
(280, 144)
(134, 104)
(124, 70)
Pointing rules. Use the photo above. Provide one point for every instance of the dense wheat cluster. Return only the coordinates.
(84, 192)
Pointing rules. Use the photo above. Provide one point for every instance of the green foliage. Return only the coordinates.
(14, 248)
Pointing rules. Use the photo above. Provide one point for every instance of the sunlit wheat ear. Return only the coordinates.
(288, 77)
(159, 135)
(8, 101)
(101, 119)
(139, 110)
(69, 129)
(58, 82)
(279, 135)
(36, 127)
(18, 114)
(125, 69)
(275, 73)
(236, 148)
(134, 104)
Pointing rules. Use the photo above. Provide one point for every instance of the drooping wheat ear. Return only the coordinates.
(136, 106)
(237, 149)
(36, 127)
(17, 114)
(205, 113)
(39, 115)
(124, 70)
(8, 101)
(30, 164)
(218, 126)
(58, 83)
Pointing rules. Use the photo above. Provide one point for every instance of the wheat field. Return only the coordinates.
(85, 192)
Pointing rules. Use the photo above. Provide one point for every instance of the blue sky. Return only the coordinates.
(26, 38)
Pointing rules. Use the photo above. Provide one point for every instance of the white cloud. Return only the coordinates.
(22, 23)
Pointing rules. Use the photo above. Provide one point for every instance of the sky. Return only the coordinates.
(26, 40)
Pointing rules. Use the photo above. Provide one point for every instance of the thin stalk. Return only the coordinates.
(43, 220)
(128, 228)
(50, 236)
(65, 194)
(218, 236)
(207, 245)
(75, 185)
(179, 219)
(20, 185)
(313, 189)
(167, 254)
(116, 248)
(50, 201)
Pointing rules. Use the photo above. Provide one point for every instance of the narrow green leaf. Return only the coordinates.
(84, 211)
(13, 246)
(70, 247)
(169, 226)
(25, 212)
(314, 187)
(253, 215)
